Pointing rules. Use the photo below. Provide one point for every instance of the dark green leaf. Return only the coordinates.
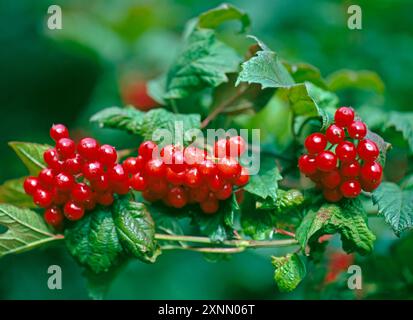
(26, 230)
(289, 271)
(94, 242)
(259, 225)
(203, 62)
(265, 183)
(31, 154)
(304, 72)
(403, 122)
(348, 219)
(363, 79)
(136, 229)
(225, 12)
(12, 192)
(285, 200)
(395, 205)
(265, 69)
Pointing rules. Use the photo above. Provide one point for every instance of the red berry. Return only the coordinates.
(316, 176)
(61, 198)
(117, 173)
(73, 211)
(210, 206)
(177, 197)
(326, 161)
(88, 148)
(90, 204)
(335, 134)
(315, 143)
(101, 183)
(331, 179)
(372, 172)
(193, 178)
(138, 182)
(120, 187)
(92, 170)
(155, 168)
(307, 164)
(350, 188)
(199, 194)
(150, 196)
(229, 167)
(159, 186)
(215, 182)
(220, 148)
(46, 177)
(107, 155)
(236, 146)
(368, 150)
(64, 182)
(207, 168)
(177, 161)
(81, 193)
(52, 159)
(66, 148)
(105, 198)
(357, 130)
(175, 178)
(130, 165)
(73, 165)
(369, 186)
(350, 169)
(346, 151)
(30, 185)
(243, 178)
(193, 155)
(53, 216)
(332, 195)
(42, 197)
(58, 131)
(148, 150)
(344, 116)
(225, 192)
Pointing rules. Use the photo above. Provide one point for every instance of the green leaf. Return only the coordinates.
(363, 79)
(285, 201)
(289, 271)
(225, 12)
(395, 205)
(146, 123)
(12, 192)
(265, 69)
(259, 225)
(156, 89)
(203, 62)
(31, 154)
(265, 183)
(402, 122)
(304, 72)
(166, 222)
(381, 144)
(136, 229)
(348, 219)
(26, 230)
(94, 242)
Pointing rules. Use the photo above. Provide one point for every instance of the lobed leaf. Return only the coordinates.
(402, 122)
(225, 12)
(289, 271)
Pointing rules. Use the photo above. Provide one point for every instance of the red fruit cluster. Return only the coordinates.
(179, 176)
(77, 177)
(342, 167)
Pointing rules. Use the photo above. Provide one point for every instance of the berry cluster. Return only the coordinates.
(77, 177)
(348, 166)
(180, 176)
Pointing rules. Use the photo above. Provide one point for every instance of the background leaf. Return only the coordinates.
(12, 192)
(31, 154)
(403, 122)
(225, 12)
(363, 79)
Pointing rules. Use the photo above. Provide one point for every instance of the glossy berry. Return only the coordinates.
(335, 134)
(315, 143)
(177, 197)
(92, 170)
(105, 198)
(59, 131)
(225, 192)
(177, 162)
(60, 198)
(236, 146)
(372, 172)
(331, 179)
(138, 182)
(64, 181)
(207, 168)
(120, 187)
(30, 185)
(368, 185)
(42, 197)
(81, 193)
(368, 150)
(357, 130)
(326, 161)
(243, 178)
(117, 173)
(88, 148)
(193, 155)
(66, 148)
(100, 183)
(73, 211)
(46, 177)
(73, 165)
(332, 195)
(346, 151)
(175, 178)
(107, 155)
(220, 148)
(350, 188)
(215, 182)
(148, 149)
(199, 194)
(228, 167)
(52, 159)
(130, 165)
(350, 169)
(193, 178)
(53, 216)
(158, 186)
(307, 164)
(344, 116)
(155, 168)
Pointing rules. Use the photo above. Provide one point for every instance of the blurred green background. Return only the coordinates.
(64, 76)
